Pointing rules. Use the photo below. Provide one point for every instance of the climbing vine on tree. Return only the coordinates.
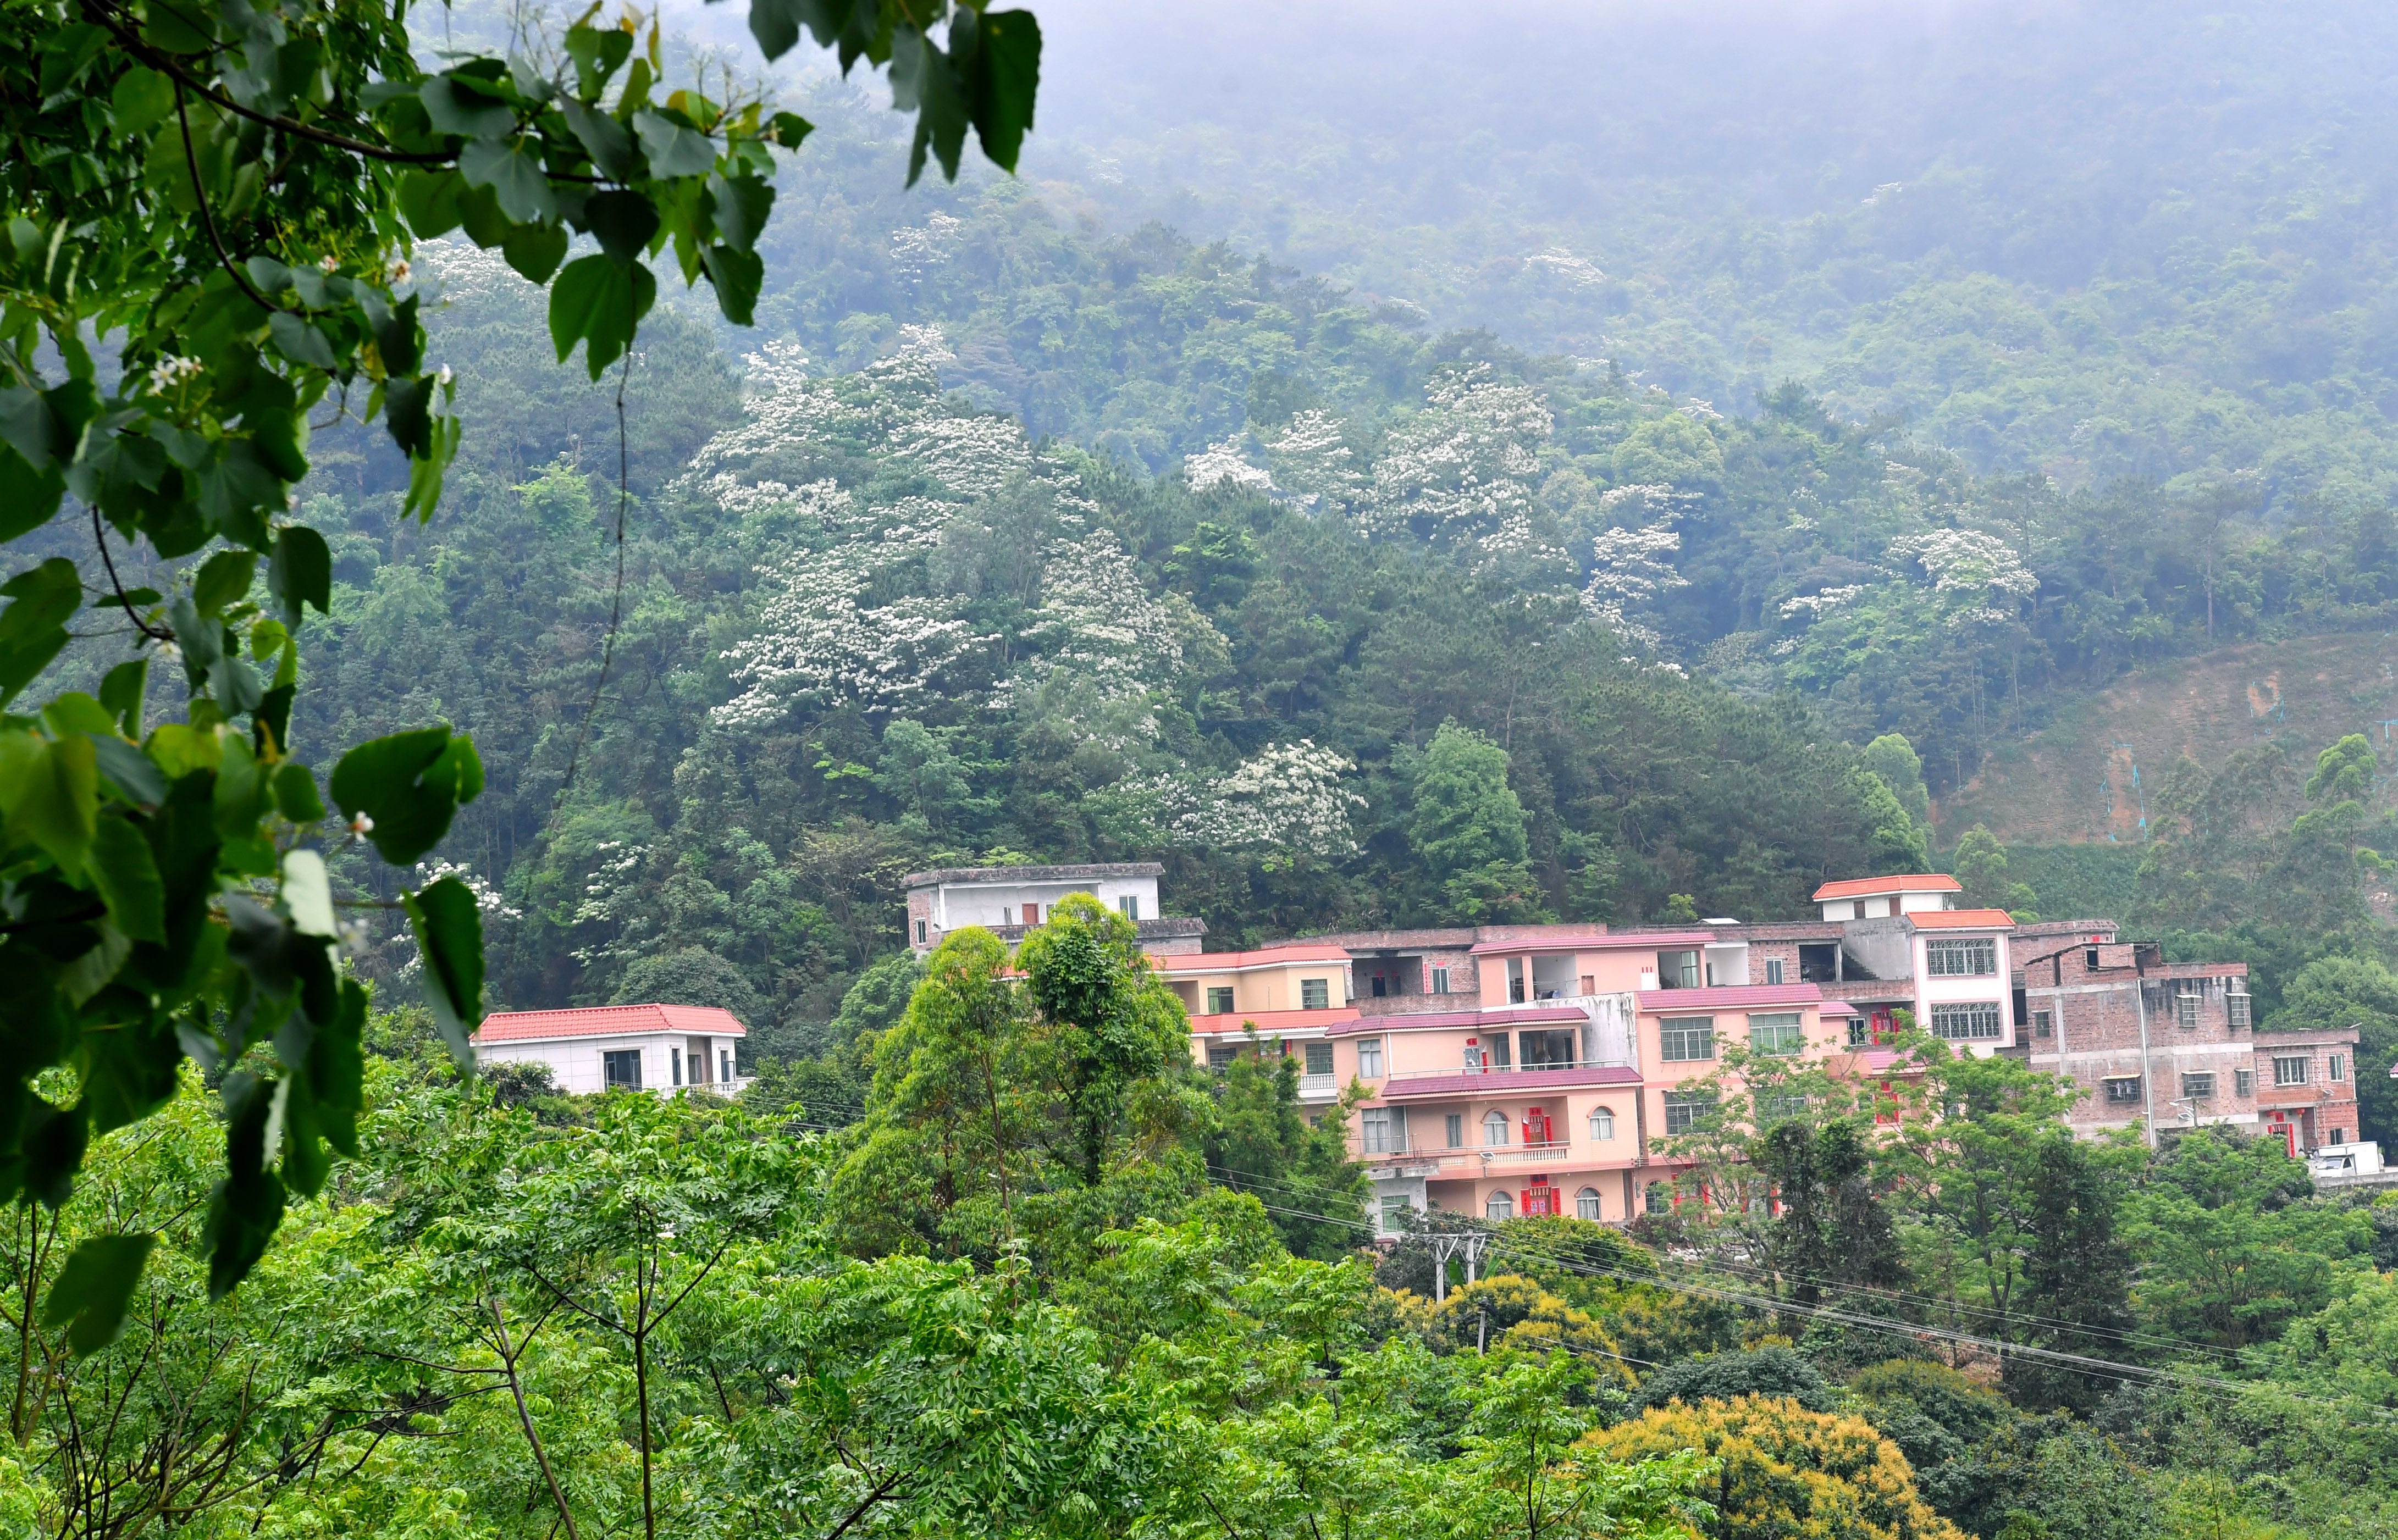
(209, 210)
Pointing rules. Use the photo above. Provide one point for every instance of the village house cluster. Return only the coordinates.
(1511, 1070)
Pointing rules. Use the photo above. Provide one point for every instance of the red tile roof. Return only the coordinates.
(1269, 1022)
(1862, 887)
(1226, 962)
(1596, 940)
(1964, 919)
(1658, 1002)
(610, 1021)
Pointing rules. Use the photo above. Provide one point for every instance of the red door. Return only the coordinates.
(1536, 1126)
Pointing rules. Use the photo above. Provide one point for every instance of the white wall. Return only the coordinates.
(576, 1062)
(956, 906)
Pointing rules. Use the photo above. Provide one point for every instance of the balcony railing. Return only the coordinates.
(1507, 1069)
(1318, 1088)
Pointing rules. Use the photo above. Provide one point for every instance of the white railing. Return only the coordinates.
(1506, 1069)
(1318, 1086)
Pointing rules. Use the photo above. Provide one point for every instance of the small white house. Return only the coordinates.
(620, 1046)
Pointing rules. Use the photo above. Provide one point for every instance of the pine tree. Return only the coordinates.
(2077, 1280)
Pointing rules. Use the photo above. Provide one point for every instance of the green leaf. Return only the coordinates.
(428, 201)
(623, 223)
(34, 627)
(299, 342)
(1003, 77)
(459, 104)
(598, 304)
(295, 795)
(142, 101)
(450, 931)
(222, 579)
(398, 340)
(535, 250)
(122, 689)
(300, 572)
(247, 1203)
(126, 877)
(673, 150)
(598, 53)
(511, 168)
(28, 497)
(408, 414)
(738, 276)
(52, 795)
(94, 1289)
(128, 769)
(742, 206)
(791, 129)
(603, 138)
(410, 784)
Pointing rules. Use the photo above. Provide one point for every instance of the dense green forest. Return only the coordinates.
(1637, 490)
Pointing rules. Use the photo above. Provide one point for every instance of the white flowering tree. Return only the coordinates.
(1631, 566)
(1224, 465)
(1311, 461)
(1977, 575)
(1289, 800)
(1464, 468)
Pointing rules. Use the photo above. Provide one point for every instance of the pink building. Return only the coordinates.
(1509, 1071)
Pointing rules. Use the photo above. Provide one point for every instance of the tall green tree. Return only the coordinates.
(1468, 826)
(2077, 1277)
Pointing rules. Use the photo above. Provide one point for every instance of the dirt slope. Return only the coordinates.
(2087, 776)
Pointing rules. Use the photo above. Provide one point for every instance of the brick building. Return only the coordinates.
(2157, 1046)
(2306, 1088)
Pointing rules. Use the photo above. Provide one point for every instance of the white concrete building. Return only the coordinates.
(1010, 901)
(620, 1046)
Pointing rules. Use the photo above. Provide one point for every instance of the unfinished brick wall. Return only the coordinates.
(2088, 1009)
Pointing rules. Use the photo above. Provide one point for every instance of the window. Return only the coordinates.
(2339, 1136)
(1494, 1129)
(1586, 1203)
(1514, 981)
(1778, 1034)
(1602, 1124)
(1688, 1039)
(1380, 987)
(1976, 1021)
(2186, 1011)
(2244, 1082)
(1220, 1055)
(674, 1066)
(2198, 1088)
(1777, 1110)
(1129, 906)
(1549, 1050)
(1961, 957)
(1370, 1058)
(1677, 969)
(2236, 1004)
(1386, 1130)
(1395, 1215)
(1857, 909)
(1499, 1206)
(1456, 1131)
(2338, 1068)
(1219, 999)
(2123, 1089)
(1440, 981)
(725, 1060)
(1315, 993)
(919, 933)
(2043, 1025)
(2290, 1069)
(1684, 1108)
(622, 1069)
(1860, 1034)
(1773, 970)
(1319, 1058)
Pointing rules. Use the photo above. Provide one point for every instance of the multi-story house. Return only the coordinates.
(1527, 1069)
(1009, 900)
(2156, 1047)
(620, 1046)
(2306, 1091)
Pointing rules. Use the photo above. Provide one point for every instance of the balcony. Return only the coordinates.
(1318, 1088)
(1506, 1081)
(1449, 1164)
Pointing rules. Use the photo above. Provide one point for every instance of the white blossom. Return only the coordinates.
(1460, 468)
(781, 365)
(172, 370)
(916, 249)
(1816, 606)
(1222, 463)
(1574, 272)
(1288, 799)
(1311, 459)
(1629, 572)
(1966, 561)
